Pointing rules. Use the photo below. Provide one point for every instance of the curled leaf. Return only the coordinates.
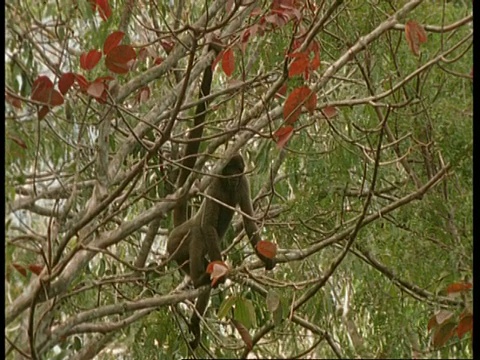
(217, 270)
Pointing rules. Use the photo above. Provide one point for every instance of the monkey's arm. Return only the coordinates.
(209, 223)
(250, 227)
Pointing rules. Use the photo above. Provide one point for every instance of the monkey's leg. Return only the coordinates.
(198, 263)
(212, 243)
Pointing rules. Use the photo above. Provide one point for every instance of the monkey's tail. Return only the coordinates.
(200, 306)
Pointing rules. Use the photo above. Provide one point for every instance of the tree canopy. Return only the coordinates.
(355, 122)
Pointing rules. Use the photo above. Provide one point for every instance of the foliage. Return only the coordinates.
(355, 120)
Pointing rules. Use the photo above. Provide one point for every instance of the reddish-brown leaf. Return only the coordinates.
(120, 59)
(311, 102)
(228, 62)
(20, 268)
(299, 65)
(143, 94)
(44, 92)
(42, 112)
(443, 333)
(158, 61)
(96, 89)
(167, 45)
(282, 91)
(112, 41)
(415, 35)
(35, 268)
(17, 141)
(282, 135)
(432, 322)
(15, 102)
(298, 97)
(267, 248)
(82, 82)
(465, 325)
(66, 81)
(41, 84)
(244, 334)
(459, 287)
(329, 111)
(104, 79)
(89, 60)
(51, 97)
(104, 9)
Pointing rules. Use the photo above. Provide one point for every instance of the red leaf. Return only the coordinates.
(89, 60)
(228, 62)
(267, 248)
(282, 135)
(432, 322)
(158, 61)
(247, 34)
(329, 111)
(104, 9)
(66, 81)
(82, 82)
(244, 334)
(299, 64)
(143, 94)
(282, 91)
(167, 45)
(112, 41)
(465, 325)
(298, 97)
(120, 58)
(20, 268)
(443, 333)
(43, 92)
(104, 79)
(311, 102)
(41, 84)
(15, 102)
(415, 35)
(458, 287)
(43, 112)
(96, 89)
(50, 97)
(36, 269)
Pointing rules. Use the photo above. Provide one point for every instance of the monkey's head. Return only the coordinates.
(234, 170)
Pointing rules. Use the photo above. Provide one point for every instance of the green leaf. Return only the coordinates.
(226, 306)
(245, 313)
